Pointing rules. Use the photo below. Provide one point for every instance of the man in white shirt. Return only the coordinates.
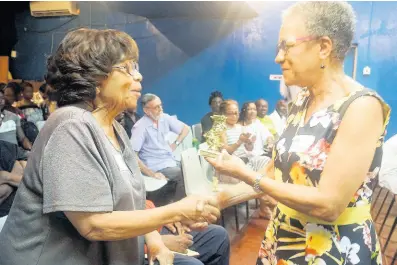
(279, 116)
(388, 171)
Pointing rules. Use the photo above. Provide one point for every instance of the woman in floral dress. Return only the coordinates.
(326, 162)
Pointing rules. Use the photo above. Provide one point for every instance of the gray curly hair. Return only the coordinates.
(334, 19)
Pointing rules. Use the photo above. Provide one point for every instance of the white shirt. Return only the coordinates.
(262, 134)
(278, 121)
(388, 170)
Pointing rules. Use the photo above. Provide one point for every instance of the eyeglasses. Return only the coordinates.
(232, 113)
(158, 107)
(285, 45)
(131, 68)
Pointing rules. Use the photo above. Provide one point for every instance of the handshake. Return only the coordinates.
(198, 211)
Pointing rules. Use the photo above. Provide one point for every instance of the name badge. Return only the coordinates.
(301, 143)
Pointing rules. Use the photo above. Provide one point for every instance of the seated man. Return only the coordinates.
(127, 119)
(149, 140)
(214, 101)
(212, 244)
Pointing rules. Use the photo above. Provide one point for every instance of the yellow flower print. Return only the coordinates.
(290, 118)
(318, 240)
(297, 118)
(298, 174)
(278, 175)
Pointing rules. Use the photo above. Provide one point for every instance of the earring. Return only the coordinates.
(322, 66)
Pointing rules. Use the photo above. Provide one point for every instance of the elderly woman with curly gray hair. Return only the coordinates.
(326, 161)
(82, 197)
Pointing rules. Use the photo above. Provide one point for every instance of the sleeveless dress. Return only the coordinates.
(299, 158)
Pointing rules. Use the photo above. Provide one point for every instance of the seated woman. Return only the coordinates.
(12, 94)
(82, 196)
(31, 110)
(242, 145)
(260, 135)
(234, 140)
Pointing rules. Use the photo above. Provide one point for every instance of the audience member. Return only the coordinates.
(31, 110)
(279, 116)
(45, 103)
(149, 140)
(11, 130)
(388, 169)
(127, 119)
(262, 108)
(214, 101)
(235, 140)
(212, 244)
(12, 158)
(12, 94)
(261, 137)
(82, 197)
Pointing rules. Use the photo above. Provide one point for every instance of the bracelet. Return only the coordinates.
(256, 186)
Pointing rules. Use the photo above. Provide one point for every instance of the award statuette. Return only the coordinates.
(214, 142)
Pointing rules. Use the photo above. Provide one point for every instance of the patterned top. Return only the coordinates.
(310, 143)
(299, 158)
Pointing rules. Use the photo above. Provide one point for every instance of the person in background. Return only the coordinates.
(259, 133)
(45, 103)
(262, 107)
(12, 94)
(12, 158)
(212, 243)
(235, 140)
(214, 101)
(11, 130)
(279, 116)
(388, 170)
(325, 164)
(127, 119)
(82, 197)
(31, 110)
(289, 93)
(149, 141)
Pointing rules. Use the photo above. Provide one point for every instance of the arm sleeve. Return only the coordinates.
(137, 137)
(176, 126)
(74, 175)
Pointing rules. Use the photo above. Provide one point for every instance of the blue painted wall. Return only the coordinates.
(183, 60)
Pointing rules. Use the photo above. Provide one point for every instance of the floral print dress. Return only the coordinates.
(299, 158)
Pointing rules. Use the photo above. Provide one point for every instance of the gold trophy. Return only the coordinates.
(214, 142)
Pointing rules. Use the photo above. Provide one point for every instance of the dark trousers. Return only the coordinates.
(173, 191)
(213, 245)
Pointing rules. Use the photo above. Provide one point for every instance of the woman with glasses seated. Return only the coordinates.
(82, 197)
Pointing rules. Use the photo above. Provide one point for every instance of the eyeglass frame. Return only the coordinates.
(134, 69)
(282, 45)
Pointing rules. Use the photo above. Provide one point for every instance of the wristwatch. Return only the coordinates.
(257, 182)
(177, 143)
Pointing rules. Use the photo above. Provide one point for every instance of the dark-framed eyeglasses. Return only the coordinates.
(285, 45)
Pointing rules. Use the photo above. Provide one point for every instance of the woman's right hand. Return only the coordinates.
(196, 209)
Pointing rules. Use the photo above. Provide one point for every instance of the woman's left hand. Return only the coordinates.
(228, 165)
(160, 253)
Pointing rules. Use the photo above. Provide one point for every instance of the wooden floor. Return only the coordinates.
(245, 247)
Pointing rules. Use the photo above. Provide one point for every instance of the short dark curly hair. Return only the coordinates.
(25, 85)
(84, 59)
(215, 94)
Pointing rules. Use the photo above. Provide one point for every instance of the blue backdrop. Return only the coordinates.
(183, 59)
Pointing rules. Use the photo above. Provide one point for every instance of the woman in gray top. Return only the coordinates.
(82, 197)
